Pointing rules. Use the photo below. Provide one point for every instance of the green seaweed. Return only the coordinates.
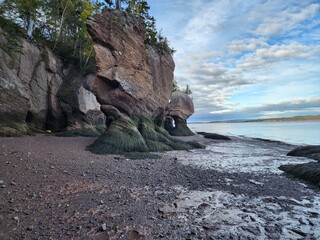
(120, 137)
(136, 135)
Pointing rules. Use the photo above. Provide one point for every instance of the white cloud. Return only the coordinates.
(299, 106)
(234, 54)
(238, 46)
(285, 21)
(270, 54)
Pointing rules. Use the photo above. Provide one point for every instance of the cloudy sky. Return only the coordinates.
(245, 59)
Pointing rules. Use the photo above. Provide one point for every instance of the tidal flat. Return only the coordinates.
(51, 187)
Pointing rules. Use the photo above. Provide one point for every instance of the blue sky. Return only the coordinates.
(245, 59)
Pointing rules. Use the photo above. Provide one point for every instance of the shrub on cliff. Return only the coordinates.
(61, 24)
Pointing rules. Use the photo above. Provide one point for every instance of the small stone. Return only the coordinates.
(104, 227)
(1, 182)
(51, 167)
(297, 231)
(16, 218)
(13, 183)
(30, 228)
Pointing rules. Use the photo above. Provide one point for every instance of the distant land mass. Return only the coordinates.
(295, 118)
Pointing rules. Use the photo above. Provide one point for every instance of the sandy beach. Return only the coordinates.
(52, 188)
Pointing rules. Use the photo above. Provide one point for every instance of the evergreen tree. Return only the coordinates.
(187, 90)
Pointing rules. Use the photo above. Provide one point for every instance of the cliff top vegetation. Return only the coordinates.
(61, 25)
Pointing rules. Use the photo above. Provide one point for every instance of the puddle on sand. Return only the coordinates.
(220, 215)
(250, 156)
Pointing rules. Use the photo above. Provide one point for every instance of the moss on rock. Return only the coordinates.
(120, 137)
(181, 128)
(15, 130)
(138, 135)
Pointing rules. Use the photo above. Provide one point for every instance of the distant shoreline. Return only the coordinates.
(288, 119)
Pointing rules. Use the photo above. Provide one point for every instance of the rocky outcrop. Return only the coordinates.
(131, 76)
(306, 171)
(178, 111)
(214, 136)
(133, 84)
(38, 91)
(312, 152)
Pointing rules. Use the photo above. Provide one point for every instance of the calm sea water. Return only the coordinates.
(296, 132)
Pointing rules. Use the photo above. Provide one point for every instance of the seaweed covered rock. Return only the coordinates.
(133, 85)
(306, 171)
(125, 134)
(178, 111)
(214, 136)
(312, 152)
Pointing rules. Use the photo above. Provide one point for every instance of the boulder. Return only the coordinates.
(178, 111)
(133, 84)
(312, 152)
(306, 171)
(80, 105)
(214, 136)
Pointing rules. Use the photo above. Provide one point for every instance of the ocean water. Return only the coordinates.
(294, 132)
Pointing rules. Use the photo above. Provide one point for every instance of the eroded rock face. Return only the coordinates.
(131, 76)
(133, 84)
(33, 89)
(179, 110)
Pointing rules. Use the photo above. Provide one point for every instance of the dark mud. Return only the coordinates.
(51, 188)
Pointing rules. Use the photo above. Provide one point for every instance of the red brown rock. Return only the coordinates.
(131, 76)
(133, 84)
(179, 110)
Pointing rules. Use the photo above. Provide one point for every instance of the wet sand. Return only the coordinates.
(51, 188)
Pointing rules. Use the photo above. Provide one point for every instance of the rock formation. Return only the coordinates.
(133, 84)
(308, 171)
(37, 90)
(179, 110)
(311, 151)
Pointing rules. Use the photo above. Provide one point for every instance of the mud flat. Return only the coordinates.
(50, 187)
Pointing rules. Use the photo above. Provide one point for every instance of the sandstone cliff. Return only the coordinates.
(37, 90)
(178, 111)
(133, 84)
(127, 96)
